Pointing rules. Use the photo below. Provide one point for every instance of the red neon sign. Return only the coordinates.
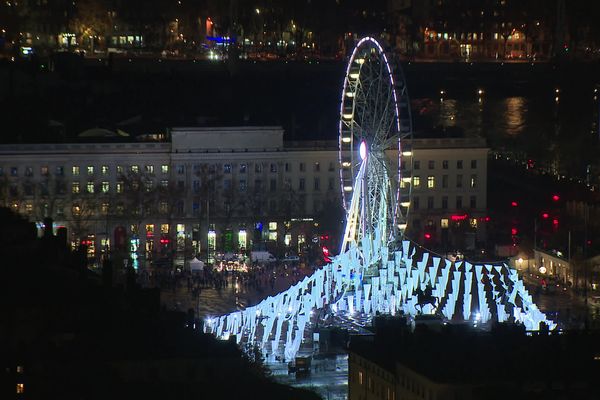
(458, 217)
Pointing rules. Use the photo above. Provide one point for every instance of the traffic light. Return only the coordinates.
(514, 204)
(555, 197)
(428, 236)
(545, 215)
(514, 231)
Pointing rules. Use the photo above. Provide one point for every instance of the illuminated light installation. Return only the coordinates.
(377, 272)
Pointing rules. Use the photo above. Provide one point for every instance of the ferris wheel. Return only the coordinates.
(374, 128)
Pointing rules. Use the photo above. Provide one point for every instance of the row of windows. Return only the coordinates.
(149, 185)
(258, 168)
(227, 168)
(76, 170)
(445, 164)
(416, 202)
(431, 181)
(162, 207)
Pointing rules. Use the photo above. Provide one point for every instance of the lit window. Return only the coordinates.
(75, 170)
(430, 182)
(360, 378)
(20, 388)
(473, 222)
(44, 171)
(19, 369)
(75, 187)
(164, 169)
(104, 169)
(164, 183)
(119, 169)
(105, 186)
(148, 186)
(273, 236)
(90, 187)
(272, 226)
(149, 169)
(473, 181)
(226, 168)
(317, 167)
(444, 222)
(163, 207)
(164, 228)
(104, 208)
(119, 187)
(28, 208)
(150, 229)
(135, 169)
(416, 181)
(243, 168)
(90, 170)
(76, 209)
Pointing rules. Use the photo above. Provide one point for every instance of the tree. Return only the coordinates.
(91, 20)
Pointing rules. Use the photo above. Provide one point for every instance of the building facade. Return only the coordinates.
(229, 189)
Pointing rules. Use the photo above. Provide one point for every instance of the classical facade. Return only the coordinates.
(227, 189)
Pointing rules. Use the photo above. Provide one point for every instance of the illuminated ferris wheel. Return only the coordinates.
(375, 124)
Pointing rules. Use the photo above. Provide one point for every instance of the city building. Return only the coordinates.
(454, 361)
(228, 189)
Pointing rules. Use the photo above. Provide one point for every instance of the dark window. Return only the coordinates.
(226, 168)
(273, 185)
(444, 181)
(459, 179)
(459, 164)
(473, 164)
(445, 164)
(459, 202)
(429, 202)
(431, 164)
(415, 203)
(417, 165)
(301, 184)
(444, 202)
(273, 167)
(473, 202)
(317, 184)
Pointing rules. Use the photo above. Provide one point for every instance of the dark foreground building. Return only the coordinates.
(455, 363)
(66, 333)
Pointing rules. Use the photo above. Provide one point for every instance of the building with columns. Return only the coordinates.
(229, 189)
